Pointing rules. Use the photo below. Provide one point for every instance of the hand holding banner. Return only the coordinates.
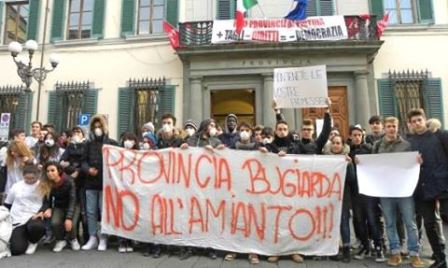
(388, 175)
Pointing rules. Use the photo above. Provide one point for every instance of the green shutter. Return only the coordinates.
(51, 117)
(386, 98)
(311, 9)
(55, 109)
(376, 8)
(128, 17)
(58, 18)
(172, 12)
(1, 15)
(98, 18)
(326, 8)
(33, 20)
(23, 116)
(225, 9)
(432, 98)
(425, 11)
(90, 102)
(167, 100)
(126, 105)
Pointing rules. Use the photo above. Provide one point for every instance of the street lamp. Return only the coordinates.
(24, 66)
(26, 71)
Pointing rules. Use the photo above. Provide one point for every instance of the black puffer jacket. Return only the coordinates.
(63, 197)
(433, 178)
(287, 144)
(75, 155)
(94, 154)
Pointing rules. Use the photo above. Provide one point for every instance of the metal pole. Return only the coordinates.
(42, 60)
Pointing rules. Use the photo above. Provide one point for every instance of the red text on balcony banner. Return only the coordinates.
(228, 200)
(281, 30)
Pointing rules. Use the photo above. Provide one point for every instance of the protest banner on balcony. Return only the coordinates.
(229, 200)
(281, 30)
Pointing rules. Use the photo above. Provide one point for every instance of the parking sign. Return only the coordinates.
(84, 119)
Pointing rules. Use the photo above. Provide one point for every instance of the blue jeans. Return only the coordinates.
(94, 200)
(407, 211)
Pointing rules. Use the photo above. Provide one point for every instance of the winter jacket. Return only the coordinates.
(94, 155)
(63, 197)
(371, 138)
(175, 141)
(251, 146)
(383, 146)
(75, 155)
(287, 145)
(228, 138)
(433, 178)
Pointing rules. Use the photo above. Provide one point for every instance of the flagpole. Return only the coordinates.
(262, 12)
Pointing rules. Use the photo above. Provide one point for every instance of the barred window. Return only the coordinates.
(16, 21)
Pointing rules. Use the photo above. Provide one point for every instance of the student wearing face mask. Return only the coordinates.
(50, 151)
(206, 137)
(190, 127)
(267, 135)
(246, 143)
(93, 167)
(168, 136)
(71, 162)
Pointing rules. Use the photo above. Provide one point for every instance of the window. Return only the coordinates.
(143, 101)
(403, 91)
(80, 19)
(320, 8)
(16, 21)
(18, 102)
(225, 9)
(151, 14)
(68, 102)
(400, 11)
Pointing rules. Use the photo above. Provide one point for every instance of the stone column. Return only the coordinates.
(196, 103)
(362, 105)
(268, 93)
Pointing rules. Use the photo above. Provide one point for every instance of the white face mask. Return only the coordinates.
(49, 142)
(212, 132)
(244, 135)
(128, 144)
(76, 139)
(98, 132)
(266, 141)
(190, 131)
(167, 128)
(146, 146)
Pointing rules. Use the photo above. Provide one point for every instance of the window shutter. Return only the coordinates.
(98, 18)
(90, 101)
(51, 117)
(172, 10)
(58, 17)
(425, 11)
(167, 100)
(55, 109)
(386, 98)
(326, 8)
(376, 8)
(1, 12)
(432, 98)
(226, 9)
(33, 20)
(311, 9)
(128, 17)
(126, 104)
(23, 116)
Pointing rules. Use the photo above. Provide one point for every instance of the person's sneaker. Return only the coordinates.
(102, 246)
(416, 262)
(60, 245)
(122, 247)
(362, 253)
(186, 253)
(156, 251)
(212, 254)
(75, 244)
(31, 248)
(273, 258)
(379, 255)
(439, 264)
(394, 260)
(346, 257)
(297, 258)
(91, 244)
(129, 247)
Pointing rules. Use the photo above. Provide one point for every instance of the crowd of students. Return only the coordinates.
(53, 183)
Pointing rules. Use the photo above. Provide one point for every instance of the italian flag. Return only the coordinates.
(242, 6)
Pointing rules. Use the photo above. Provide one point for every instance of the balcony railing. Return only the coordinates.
(199, 33)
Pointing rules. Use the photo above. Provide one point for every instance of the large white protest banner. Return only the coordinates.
(301, 87)
(281, 30)
(388, 175)
(228, 200)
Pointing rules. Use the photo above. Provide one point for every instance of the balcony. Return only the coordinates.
(199, 33)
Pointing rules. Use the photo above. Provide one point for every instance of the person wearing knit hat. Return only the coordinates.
(190, 127)
(148, 127)
(230, 135)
